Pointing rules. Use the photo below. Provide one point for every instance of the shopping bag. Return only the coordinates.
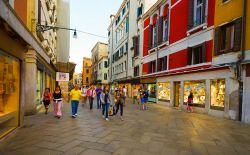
(110, 111)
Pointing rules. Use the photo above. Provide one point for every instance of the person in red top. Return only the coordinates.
(46, 99)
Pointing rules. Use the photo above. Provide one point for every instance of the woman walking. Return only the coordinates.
(57, 99)
(106, 102)
(190, 102)
(46, 99)
(119, 101)
(84, 94)
(91, 94)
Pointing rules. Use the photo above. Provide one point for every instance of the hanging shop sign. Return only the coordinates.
(60, 76)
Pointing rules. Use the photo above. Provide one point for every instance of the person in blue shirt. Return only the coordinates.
(98, 95)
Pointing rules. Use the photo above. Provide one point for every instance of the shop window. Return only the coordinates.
(152, 92)
(9, 93)
(217, 94)
(164, 91)
(198, 88)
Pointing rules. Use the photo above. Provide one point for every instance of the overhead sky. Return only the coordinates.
(92, 16)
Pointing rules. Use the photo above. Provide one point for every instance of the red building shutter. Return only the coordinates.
(190, 14)
(189, 56)
(237, 34)
(216, 41)
(160, 30)
(204, 52)
(150, 36)
(204, 2)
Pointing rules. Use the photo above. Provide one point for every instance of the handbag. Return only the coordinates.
(110, 111)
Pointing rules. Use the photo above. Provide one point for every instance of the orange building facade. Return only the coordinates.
(86, 71)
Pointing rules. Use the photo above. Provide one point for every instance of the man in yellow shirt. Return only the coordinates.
(75, 96)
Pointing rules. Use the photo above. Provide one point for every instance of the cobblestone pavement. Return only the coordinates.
(159, 130)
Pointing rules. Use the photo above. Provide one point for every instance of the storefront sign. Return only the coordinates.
(148, 80)
(62, 76)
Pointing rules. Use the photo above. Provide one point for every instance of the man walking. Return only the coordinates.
(75, 96)
(98, 96)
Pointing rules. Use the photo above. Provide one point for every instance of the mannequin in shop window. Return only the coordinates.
(190, 102)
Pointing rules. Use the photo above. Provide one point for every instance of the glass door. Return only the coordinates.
(177, 94)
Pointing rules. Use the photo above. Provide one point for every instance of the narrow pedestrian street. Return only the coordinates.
(159, 130)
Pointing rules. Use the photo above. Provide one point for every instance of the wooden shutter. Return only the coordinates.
(165, 63)
(189, 56)
(190, 14)
(204, 2)
(217, 41)
(237, 34)
(159, 64)
(160, 30)
(204, 52)
(39, 12)
(149, 67)
(150, 36)
(137, 45)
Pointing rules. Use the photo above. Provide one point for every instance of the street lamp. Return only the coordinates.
(43, 28)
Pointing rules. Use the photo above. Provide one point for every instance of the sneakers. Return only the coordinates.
(73, 116)
(122, 118)
(107, 119)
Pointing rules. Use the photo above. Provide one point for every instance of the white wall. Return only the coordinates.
(63, 37)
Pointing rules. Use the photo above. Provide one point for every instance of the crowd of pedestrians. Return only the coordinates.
(108, 105)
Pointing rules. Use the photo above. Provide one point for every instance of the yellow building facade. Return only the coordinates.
(232, 48)
(86, 71)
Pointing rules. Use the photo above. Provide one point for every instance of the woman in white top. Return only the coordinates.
(105, 99)
(84, 94)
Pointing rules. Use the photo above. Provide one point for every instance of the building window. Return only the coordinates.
(106, 64)
(198, 88)
(152, 67)
(100, 65)
(125, 65)
(164, 91)
(228, 37)
(198, 12)
(87, 71)
(139, 11)
(121, 51)
(154, 44)
(105, 76)
(162, 63)
(217, 94)
(122, 67)
(197, 55)
(123, 10)
(136, 71)
(126, 47)
(87, 79)
(165, 29)
(126, 25)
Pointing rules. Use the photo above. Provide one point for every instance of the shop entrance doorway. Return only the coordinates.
(177, 94)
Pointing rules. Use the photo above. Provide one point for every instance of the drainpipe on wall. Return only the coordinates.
(239, 63)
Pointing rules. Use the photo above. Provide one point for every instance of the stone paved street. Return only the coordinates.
(159, 130)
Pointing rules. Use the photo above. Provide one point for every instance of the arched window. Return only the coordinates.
(165, 23)
(154, 37)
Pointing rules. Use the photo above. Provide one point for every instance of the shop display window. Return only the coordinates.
(217, 93)
(152, 92)
(164, 91)
(39, 86)
(9, 93)
(199, 92)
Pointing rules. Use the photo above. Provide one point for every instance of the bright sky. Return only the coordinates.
(90, 16)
